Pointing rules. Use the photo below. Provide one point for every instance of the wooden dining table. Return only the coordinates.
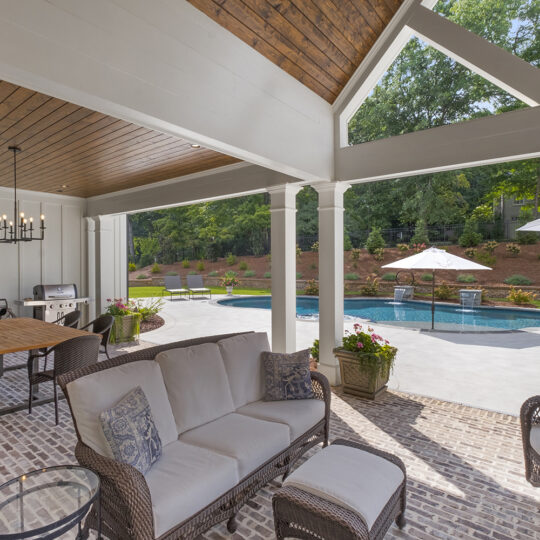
(26, 334)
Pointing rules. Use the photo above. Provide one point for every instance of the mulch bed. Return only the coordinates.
(153, 323)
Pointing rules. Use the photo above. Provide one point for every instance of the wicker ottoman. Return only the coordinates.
(346, 491)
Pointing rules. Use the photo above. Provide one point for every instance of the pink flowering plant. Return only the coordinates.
(372, 350)
(119, 307)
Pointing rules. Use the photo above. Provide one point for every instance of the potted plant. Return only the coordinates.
(365, 362)
(127, 321)
(229, 280)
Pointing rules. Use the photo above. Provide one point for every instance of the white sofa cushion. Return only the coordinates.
(197, 385)
(250, 441)
(349, 477)
(92, 394)
(299, 414)
(185, 480)
(242, 357)
(535, 438)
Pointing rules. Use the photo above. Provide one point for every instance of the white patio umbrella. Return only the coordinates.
(435, 259)
(533, 226)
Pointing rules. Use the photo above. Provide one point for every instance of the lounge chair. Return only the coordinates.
(196, 286)
(173, 285)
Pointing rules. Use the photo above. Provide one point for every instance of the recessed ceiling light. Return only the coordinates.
(64, 186)
(195, 146)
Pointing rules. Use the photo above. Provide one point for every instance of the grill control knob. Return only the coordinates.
(60, 306)
(51, 306)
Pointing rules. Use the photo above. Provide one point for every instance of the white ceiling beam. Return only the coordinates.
(225, 182)
(167, 66)
(483, 141)
(498, 66)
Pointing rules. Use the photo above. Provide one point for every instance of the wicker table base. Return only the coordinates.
(299, 514)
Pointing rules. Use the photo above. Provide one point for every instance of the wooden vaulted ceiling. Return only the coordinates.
(319, 42)
(80, 152)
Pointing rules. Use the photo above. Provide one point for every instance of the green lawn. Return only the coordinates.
(146, 292)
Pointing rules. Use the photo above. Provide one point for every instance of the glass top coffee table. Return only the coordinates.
(48, 502)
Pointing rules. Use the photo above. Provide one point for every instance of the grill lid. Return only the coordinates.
(55, 292)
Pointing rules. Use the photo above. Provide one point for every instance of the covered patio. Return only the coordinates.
(122, 107)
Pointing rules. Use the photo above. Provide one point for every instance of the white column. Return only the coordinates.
(283, 223)
(331, 283)
(91, 265)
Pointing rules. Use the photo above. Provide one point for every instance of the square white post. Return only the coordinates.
(331, 282)
(283, 224)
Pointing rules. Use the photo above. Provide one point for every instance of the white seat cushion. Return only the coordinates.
(535, 438)
(92, 394)
(250, 441)
(242, 357)
(299, 414)
(185, 480)
(349, 477)
(197, 385)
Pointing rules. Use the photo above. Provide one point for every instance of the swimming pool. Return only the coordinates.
(413, 314)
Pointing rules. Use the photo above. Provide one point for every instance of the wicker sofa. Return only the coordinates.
(530, 433)
(221, 441)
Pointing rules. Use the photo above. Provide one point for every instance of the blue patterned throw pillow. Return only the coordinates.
(287, 376)
(130, 431)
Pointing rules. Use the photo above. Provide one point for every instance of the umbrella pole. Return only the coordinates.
(433, 302)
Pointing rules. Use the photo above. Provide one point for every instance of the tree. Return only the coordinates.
(420, 233)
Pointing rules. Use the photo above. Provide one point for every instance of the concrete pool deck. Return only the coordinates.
(495, 371)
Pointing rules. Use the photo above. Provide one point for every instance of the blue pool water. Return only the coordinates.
(411, 313)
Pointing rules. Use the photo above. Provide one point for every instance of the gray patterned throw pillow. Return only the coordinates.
(130, 431)
(287, 376)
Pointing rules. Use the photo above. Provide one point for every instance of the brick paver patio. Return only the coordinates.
(465, 465)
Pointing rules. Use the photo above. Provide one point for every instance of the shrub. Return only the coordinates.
(375, 240)
(355, 254)
(518, 279)
(243, 265)
(513, 249)
(142, 276)
(403, 247)
(311, 288)
(352, 276)
(371, 288)
(171, 273)
(149, 308)
(418, 247)
(250, 273)
(267, 275)
(486, 259)
(379, 254)
(298, 251)
(231, 259)
(466, 278)
(470, 237)
(146, 259)
(313, 266)
(426, 277)
(526, 237)
(155, 269)
(347, 244)
(200, 266)
(315, 350)
(520, 297)
(186, 263)
(471, 253)
(192, 273)
(299, 275)
(390, 276)
(420, 235)
(443, 291)
(490, 246)
(132, 267)
(213, 273)
(315, 247)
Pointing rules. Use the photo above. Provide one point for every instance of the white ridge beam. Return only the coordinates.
(496, 139)
(498, 66)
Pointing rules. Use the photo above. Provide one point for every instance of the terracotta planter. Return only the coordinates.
(357, 380)
(125, 328)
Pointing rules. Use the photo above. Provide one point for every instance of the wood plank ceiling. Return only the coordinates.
(80, 152)
(319, 42)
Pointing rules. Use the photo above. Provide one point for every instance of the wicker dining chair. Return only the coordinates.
(102, 325)
(75, 353)
(530, 433)
(70, 319)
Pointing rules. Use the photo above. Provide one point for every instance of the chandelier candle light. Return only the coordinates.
(21, 229)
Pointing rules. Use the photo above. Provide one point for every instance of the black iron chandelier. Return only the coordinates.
(21, 229)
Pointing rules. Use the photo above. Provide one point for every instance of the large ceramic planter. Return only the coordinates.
(356, 379)
(125, 328)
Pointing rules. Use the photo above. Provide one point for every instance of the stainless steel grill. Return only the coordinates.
(54, 301)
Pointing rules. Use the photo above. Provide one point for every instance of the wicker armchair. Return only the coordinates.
(72, 354)
(102, 325)
(126, 507)
(530, 431)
